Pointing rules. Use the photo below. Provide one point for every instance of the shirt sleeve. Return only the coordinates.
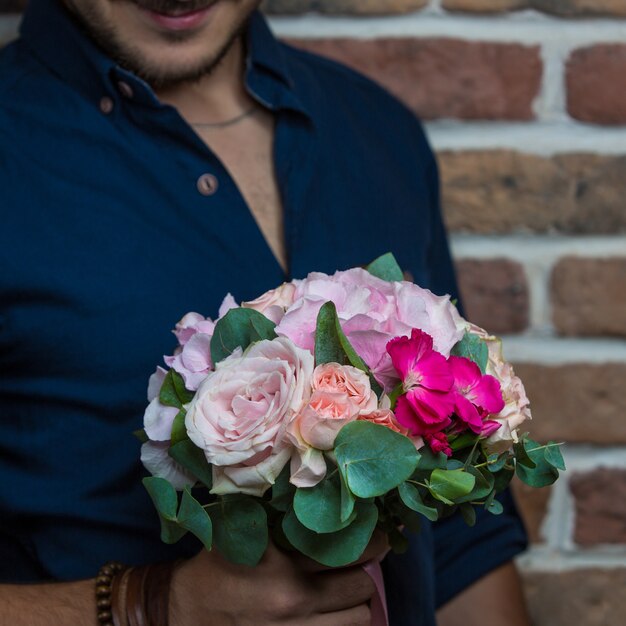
(464, 554)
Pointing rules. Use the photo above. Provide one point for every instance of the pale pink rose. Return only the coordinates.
(158, 462)
(190, 324)
(323, 417)
(371, 312)
(273, 303)
(345, 379)
(516, 404)
(241, 411)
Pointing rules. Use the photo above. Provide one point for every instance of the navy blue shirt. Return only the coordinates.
(106, 240)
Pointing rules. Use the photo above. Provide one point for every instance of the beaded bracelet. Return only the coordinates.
(104, 581)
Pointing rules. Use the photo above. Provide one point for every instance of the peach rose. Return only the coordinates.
(274, 302)
(355, 383)
(241, 411)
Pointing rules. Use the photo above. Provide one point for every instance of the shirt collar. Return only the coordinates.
(62, 45)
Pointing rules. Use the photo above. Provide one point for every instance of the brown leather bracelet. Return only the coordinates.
(146, 595)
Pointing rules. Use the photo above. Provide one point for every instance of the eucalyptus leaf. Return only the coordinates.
(333, 549)
(503, 478)
(386, 267)
(521, 454)
(496, 463)
(282, 491)
(449, 485)
(482, 488)
(468, 513)
(163, 495)
(429, 460)
(240, 530)
(192, 517)
(141, 435)
(167, 394)
(347, 499)
(373, 459)
(412, 498)
(495, 507)
(179, 430)
(553, 455)
(542, 473)
(183, 394)
(474, 348)
(238, 329)
(319, 507)
(192, 458)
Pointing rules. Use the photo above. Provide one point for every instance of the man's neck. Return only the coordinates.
(216, 97)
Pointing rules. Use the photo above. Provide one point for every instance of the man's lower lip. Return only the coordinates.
(184, 21)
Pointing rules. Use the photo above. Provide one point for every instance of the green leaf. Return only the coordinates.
(347, 499)
(165, 501)
(334, 549)
(192, 458)
(495, 507)
(411, 496)
(448, 485)
(521, 454)
(496, 463)
(141, 435)
(167, 394)
(429, 460)
(328, 348)
(192, 517)
(468, 513)
(179, 430)
(466, 440)
(331, 343)
(319, 508)
(542, 473)
(240, 530)
(238, 329)
(163, 496)
(183, 394)
(482, 487)
(282, 491)
(503, 478)
(373, 459)
(386, 267)
(397, 541)
(474, 348)
(552, 454)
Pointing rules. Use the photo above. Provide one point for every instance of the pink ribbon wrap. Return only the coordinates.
(378, 604)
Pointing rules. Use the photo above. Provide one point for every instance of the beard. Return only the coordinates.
(134, 59)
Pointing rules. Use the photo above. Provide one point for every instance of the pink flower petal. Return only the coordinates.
(468, 413)
(488, 395)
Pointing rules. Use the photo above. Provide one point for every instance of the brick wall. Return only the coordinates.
(525, 103)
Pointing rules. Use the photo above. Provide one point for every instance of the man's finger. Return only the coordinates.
(342, 589)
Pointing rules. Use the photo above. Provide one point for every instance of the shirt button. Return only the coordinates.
(125, 89)
(207, 184)
(106, 105)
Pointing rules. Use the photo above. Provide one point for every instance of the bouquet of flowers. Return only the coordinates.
(328, 407)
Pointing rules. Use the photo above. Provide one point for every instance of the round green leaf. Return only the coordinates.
(373, 459)
(192, 517)
(411, 496)
(192, 458)
(319, 507)
(163, 496)
(240, 530)
(448, 485)
(386, 267)
(333, 549)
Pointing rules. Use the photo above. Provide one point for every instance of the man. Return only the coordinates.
(155, 154)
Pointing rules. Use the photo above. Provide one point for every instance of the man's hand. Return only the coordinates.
(285, 589)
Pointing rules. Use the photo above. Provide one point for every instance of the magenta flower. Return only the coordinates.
(475, 395)
(427, 405)
(438, 443)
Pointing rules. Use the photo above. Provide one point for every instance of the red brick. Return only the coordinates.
(589, 296)
(445, 78)
(495, 294)
(579, 402)
(485, 6)
(596, 90)
(582, 597)
(600, 501)
(575, 8)
(503, 191)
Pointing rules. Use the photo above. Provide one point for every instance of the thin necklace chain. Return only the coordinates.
(231, 122)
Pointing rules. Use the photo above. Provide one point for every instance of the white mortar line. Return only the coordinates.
(546, 248)
(540, 138)
(551, 103)
(544, 559)
(552, 351)
(527, 27)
